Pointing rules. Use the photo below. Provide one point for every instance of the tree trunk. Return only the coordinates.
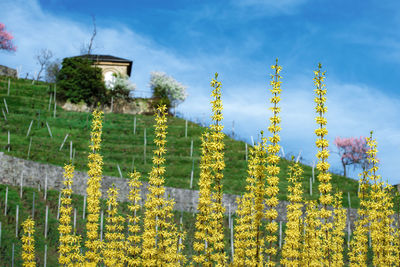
(344, 168)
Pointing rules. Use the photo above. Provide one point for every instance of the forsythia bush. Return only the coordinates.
(315, 230)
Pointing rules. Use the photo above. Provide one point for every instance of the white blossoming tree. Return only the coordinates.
(120, 86)
(167, 90)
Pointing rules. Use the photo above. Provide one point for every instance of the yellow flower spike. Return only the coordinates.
(272, 169)
(28, 243)
(93, 243)
(310, 250)
(160, 236)
(69, 248)
(339, 225)
(133, 241)
(324, 177)
(291, 251)
(114, 248)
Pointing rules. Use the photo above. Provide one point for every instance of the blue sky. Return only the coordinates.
(356, 41)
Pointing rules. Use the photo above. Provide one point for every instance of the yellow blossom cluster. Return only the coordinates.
(28, 243)
(291, 251)
(93, 243)
(160, 235)
(339, 224)
(133, 241)
(272, 168)
(310, 250)
(114, 247)
(69, 248)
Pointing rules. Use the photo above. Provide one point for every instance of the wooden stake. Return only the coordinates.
(8, 88)
(70, 150)
(29, 129)
(74, 220)
(119, 170)
(134, 126)
(21, 184)
(8, 147)
(191, 148)
(16, 221)
(229, 216)
(252, 140)
(46, 221)
(348, 197)
(283, 152)
(311, 186)
(298, 157)
(45, 256)
(45, 187)
(65, 139)
(6, 200)
(58, 208)
(5, 104)
(48, 128)
(4, 114)
(101, 225)
(348, 234)
(84, 207)
(232, 241)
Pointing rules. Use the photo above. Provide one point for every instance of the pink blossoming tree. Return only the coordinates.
(352, 151)
(6, 39)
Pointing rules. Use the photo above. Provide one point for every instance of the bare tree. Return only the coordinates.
(52, 70)
(43, 58)
(87, 48)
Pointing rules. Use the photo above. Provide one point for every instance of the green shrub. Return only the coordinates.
(79, 81)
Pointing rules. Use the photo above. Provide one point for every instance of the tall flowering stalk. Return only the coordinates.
(114, 247)
(203, 231)
(28, 243)
(93, 243)
(310, 251)
(69, 247)
(245, 236)
(160, 236)
(291, 251)
(217, 238)
(339, 224)
(133, 241)
(324, 176)
(359, 243)
(273, 169)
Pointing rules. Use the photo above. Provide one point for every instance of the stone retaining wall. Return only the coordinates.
(33, 175)
(6, 71)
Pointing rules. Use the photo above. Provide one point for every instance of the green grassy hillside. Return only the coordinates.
(27, 102)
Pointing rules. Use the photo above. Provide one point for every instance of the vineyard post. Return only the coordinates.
(191, 148)
(348, 233)
(48, 128)
(246, 150)
(280, 234)
(33, 205)
(29, 129)
(21, 184)
(45, 187)
(358, 190)
(70, 150)
(101, 225)
(5, 104)
(29, 147)
(84, 207)
(348, 197)
(16, 221)
(283, 152)
(229, 216)
(252, 140)
(5, 204)
(8, 88)
(119, 170)
(191, 175)
(8, 147)
(58, 208)
(134, 125)
(62, 144)
(311, 186)
(46, 221)
(74, 220)
(45, 255)
(232, 241)
(298, 157)
(112, 103)
(4, 114)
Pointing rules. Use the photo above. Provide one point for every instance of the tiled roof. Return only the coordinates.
(108, 58)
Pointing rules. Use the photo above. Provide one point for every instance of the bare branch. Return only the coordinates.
(43, 57)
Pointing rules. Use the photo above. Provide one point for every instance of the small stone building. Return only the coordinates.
(110, 65)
